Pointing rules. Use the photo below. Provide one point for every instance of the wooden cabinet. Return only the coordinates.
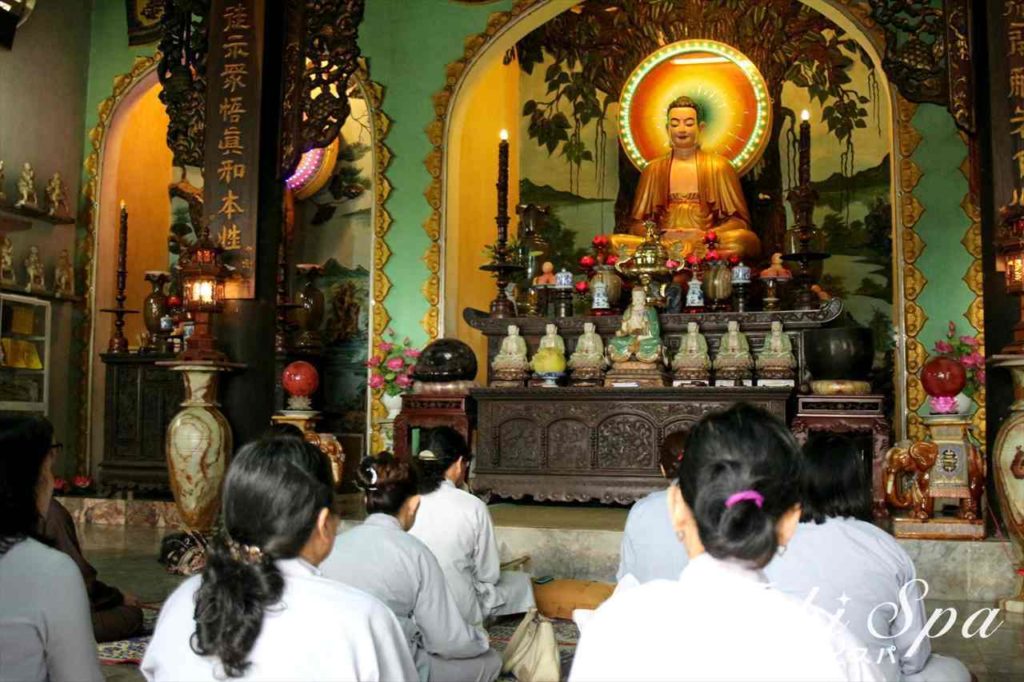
(141, 400)
(25, 337)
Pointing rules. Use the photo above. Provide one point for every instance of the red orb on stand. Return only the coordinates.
(943, 378)
(300, 380)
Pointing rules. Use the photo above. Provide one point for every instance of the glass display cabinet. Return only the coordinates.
(24, 354)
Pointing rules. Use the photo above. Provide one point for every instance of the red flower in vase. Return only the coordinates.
(712, 256)
(587, 262)
(600, 241)
(692, 259)
(671, 264)
(60, 485)
(611, 259)
(582, 287)
(734, 260)
(82, 482)
(710, 237)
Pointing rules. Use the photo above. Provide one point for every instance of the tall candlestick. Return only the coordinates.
(805, 148)
(118, 343)
(502, 218)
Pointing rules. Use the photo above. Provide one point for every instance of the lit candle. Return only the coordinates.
(503, 187)
(805, 148)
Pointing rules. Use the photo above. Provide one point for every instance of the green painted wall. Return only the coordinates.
(109, 57)
(944, 260)
(408, 45)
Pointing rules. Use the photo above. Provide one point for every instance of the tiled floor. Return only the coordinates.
(126, 557)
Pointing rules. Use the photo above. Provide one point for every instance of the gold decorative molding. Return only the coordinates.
(913, 282)
(912, 246)
(976, 316)
(911, 210)
(975, 278)
(380, 318)
(85, 241)
(916, 356)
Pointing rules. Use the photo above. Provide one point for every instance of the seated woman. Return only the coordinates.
(115, 615)
(855, 566)
(45, 632)
(261, 610)
(650, 549)
(457, 528)
(381, 558)
(735, 504)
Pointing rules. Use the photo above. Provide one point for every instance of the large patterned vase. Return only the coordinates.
(1008, 463)
(198, 448)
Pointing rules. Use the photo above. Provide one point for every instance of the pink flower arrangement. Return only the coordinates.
(967, 351)
(391, 366)
(82, 482)
(61, 486)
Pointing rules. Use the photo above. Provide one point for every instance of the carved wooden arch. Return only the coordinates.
(853, 16)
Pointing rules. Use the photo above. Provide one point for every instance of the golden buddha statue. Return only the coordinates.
(690, 191)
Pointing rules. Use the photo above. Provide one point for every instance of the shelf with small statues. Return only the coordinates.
(37, 293)
(37, 214)
(755, 324)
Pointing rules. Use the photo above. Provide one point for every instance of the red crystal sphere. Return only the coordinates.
(300, 378)
(943, 377)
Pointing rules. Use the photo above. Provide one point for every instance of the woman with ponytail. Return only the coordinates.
(734, 506)
(457, 528)
(382, 559)
(261, 610)
(45, 628)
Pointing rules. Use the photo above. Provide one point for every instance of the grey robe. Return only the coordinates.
(855, 566)
(380, 558)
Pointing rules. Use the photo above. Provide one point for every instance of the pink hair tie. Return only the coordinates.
(744, 495)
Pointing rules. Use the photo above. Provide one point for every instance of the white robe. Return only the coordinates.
(320, 630)
(851, 567)
(718, 621)
(650, 549)
(457, 528)
(380, 558)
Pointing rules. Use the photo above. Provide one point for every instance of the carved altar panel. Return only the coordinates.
(590, 443)
(571, 440)
(519, 443)
(626, 441)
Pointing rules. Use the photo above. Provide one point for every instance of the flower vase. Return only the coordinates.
(154, 308)
(1008, 466)
(393, 403)
(198, 447)
(310, 313)
(613, 285)
(717, 285)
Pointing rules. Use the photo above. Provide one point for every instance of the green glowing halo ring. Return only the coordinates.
(756, 143)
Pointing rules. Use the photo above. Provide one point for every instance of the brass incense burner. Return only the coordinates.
(648, 266)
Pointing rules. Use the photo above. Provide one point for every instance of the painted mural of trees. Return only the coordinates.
(595, 45)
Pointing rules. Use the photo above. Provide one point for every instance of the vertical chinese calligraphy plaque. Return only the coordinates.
(231, 183)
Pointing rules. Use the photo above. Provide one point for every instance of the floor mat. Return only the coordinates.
(130, 650)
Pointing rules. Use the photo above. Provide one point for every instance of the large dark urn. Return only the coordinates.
(840, 353)
(445, 361)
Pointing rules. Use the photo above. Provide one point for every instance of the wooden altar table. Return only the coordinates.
(850, 414)
(578, 444)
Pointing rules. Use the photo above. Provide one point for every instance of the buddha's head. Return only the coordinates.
(588, 327)
(685, 121)
(691, 328)
(513, 330)
(639, 297)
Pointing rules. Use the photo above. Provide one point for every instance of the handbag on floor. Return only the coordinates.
(532, 653)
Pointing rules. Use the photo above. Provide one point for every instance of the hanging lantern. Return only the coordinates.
(202, 284)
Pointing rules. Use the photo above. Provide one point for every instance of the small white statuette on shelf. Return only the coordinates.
(64, 276)
(27, 197)
(34, 269)
(7, 262)
(57, 197)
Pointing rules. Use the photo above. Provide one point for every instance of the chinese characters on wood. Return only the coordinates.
(232, 136)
